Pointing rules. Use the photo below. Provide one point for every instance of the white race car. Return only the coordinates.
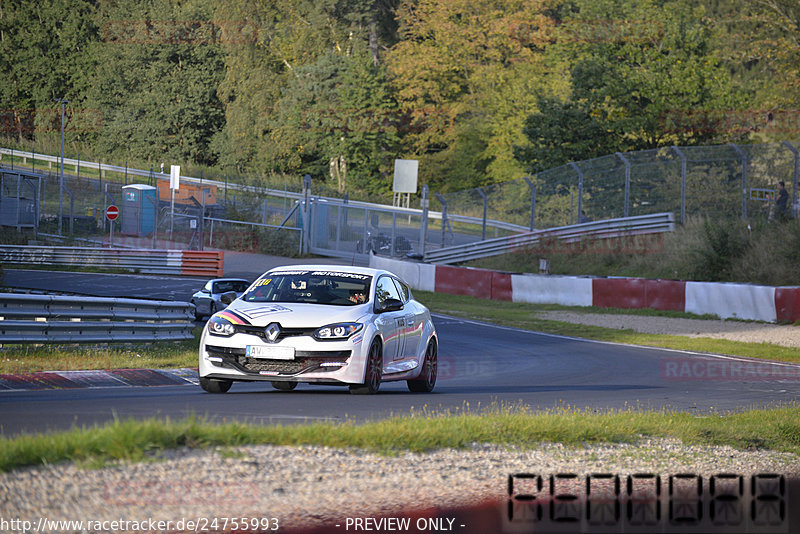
(321, 324)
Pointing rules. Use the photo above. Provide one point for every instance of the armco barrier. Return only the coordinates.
(479, 283)
(787, 304)
(420, 276)
(740, 301)
(638, 293)
(552, 289)
(146, 261)
(64, 319)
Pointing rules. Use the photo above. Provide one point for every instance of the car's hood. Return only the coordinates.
(294, 315)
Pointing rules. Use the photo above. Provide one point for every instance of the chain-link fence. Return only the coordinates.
(720, 181)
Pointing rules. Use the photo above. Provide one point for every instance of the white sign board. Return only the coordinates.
(405, 176)
(174, 176)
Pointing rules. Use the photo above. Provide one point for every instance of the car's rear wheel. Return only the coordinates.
(373, 372)
(213, 385)
(426, 380)
(284, 386)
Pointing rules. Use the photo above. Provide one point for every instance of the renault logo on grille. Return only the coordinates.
(272, 331)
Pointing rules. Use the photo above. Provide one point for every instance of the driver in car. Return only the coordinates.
(358, 297)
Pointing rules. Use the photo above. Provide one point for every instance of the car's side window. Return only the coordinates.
(386, 290)
(208, 285)
(404, 291)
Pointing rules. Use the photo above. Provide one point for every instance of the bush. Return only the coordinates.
(702, 249)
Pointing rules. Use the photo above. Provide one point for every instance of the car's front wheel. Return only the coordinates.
(284, 386)
(373, 372)
(427, 377)
(197, 315)
(212, 385)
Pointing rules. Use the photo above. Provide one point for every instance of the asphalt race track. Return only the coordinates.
(481, 366)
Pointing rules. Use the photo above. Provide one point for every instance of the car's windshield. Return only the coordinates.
(317, 287)
(223, 286)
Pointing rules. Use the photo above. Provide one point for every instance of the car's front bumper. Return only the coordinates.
(314, 361)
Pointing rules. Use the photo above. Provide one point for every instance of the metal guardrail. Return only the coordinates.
(145, 261)
(639, 225)
(68, 319)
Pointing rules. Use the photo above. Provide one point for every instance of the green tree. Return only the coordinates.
(43, 55)
(643, 75)
(465, 73)
(158, 70)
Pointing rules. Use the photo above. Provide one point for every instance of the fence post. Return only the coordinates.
(423, 223)
(627, 182)
(683, 182)
(533, 199)
(71, 210)
(485, 206)
(110, 223)
(580, 188)
(444, 215)
(154, 202)
(744, 179)
(306, 212)
(795, 192)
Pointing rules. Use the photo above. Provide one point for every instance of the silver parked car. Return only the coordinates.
(208, 300)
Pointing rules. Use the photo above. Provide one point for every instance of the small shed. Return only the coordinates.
(139, 204)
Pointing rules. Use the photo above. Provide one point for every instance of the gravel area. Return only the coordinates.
(750, 332)
(310, 485)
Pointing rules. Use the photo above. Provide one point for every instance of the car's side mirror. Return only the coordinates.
(389, 305)
(227, 298)
(204, 290)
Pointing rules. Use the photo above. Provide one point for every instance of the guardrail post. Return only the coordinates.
(533, 199)
(580, 188)
(795, 192)
(744, 179)
(423, 226)
(683, 182)
(627, 181)
(443, 202)
(485, 206)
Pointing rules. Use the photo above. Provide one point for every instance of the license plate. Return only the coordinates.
(270, 353)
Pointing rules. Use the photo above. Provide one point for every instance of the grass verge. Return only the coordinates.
(31, 359)
(522, 315)
(132, 440)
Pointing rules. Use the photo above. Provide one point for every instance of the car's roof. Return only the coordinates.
(329, 268)
(229, 280)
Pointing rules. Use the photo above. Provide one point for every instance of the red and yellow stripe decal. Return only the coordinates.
(231, 317)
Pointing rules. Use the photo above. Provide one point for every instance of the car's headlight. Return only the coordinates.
(337, 332)
(218, 326)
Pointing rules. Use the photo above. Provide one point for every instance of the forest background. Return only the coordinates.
(479, 91)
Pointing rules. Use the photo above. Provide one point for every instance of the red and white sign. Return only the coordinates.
(112, 212)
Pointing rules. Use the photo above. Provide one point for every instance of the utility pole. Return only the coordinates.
(64, 102)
